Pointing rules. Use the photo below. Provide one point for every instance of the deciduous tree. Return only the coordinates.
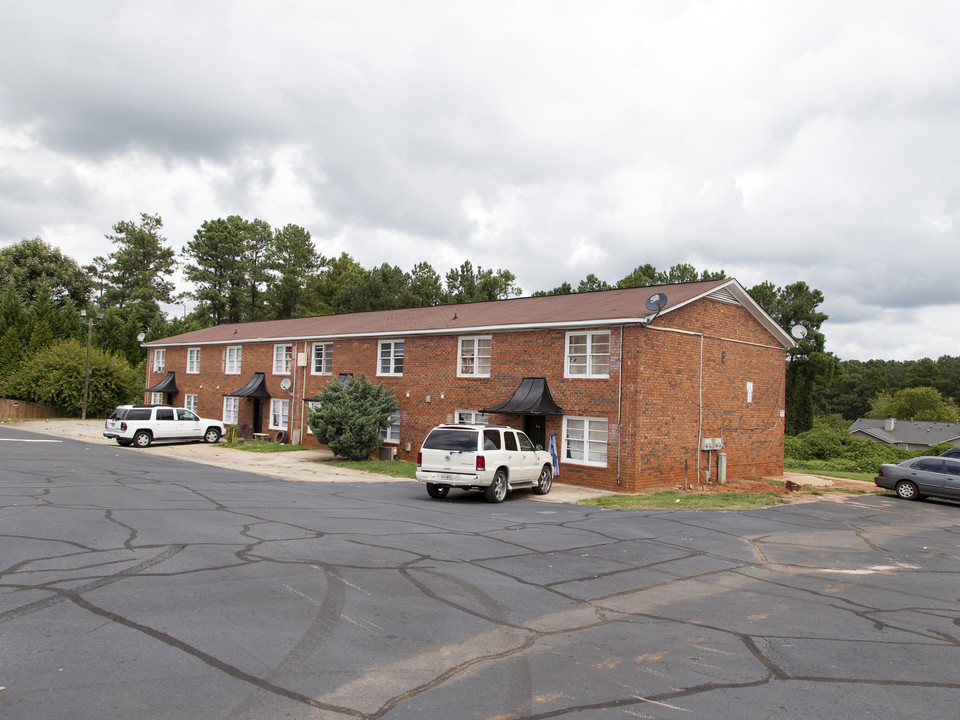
(30, 262)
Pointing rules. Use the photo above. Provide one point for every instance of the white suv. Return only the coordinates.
(494, 459)
(140, 425)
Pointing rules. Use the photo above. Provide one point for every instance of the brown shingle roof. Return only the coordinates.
(603, 307)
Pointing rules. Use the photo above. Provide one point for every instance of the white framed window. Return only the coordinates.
(156, 399)
(391, 357)
(588, 354)
(473, 359)
(231, 410)
(159, 360)
(190, 402)
(585, 441)
(322, 358)
(311, 405)
(193, 360)
(232, 359)
(279, 413)
(391, 433)
(282, 359)
(471, 417)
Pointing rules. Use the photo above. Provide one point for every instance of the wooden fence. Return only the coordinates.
(25, 410)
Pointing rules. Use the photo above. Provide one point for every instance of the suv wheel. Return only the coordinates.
(211, 436)
(545, 481)
(437, 491)
(496, 491)
(142, 439)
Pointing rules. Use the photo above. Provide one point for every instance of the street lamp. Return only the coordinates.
(86, 374)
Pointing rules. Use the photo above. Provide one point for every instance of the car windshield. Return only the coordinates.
(452, 440)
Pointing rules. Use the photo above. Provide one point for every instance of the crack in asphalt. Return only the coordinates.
(507, 635)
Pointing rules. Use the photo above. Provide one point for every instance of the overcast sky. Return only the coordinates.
(781, 141)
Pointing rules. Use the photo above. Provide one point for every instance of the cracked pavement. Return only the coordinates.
(137, 585)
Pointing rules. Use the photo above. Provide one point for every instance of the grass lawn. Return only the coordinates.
(690, 501)
(392, 468)
(263, 446)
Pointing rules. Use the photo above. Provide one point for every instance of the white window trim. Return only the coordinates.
(287, 362)
(391, 433)
(586, 441)
(282, 402)
(191, 402)
(476, 417)
(232, 368)
(589, 374)
(159, 360)
(234, 410)
(475, 339)
(327, 358)
(311, 405)
(193, 361)
(393, 357)
(157, 398)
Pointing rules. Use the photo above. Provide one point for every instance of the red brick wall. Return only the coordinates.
(674, 388)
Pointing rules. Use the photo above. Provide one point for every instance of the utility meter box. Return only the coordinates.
(711, 443)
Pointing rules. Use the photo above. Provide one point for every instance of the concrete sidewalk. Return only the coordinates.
(296, 466)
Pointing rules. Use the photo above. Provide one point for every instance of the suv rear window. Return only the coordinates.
(491, 439)
(118, 414)
(452, 440)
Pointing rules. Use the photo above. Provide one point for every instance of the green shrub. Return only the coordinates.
(350, 417)
(55, 376)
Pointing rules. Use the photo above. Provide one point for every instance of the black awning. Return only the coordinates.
(167, 385)
(256, 388)
(532, 397)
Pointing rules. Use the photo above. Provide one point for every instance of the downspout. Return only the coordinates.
(620, 408)
(303, 395)
(700, 403)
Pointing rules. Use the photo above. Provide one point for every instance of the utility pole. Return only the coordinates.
(86, 374)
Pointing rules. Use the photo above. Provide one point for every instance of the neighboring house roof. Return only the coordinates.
(606, 307)
(907, 432)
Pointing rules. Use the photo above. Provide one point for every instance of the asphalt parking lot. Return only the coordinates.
(135, 584)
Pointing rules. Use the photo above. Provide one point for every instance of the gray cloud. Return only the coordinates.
(813, 142)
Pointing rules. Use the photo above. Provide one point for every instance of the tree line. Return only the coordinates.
(243, 270)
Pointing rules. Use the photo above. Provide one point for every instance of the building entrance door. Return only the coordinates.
(257, 415)
(535, 426)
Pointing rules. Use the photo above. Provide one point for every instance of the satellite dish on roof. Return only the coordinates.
(285, 384)
(657, 302)
(798, 331)
(141, 336)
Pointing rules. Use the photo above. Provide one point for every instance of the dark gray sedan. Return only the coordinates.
(920, 477)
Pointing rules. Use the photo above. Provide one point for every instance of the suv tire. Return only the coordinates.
(142, 439)
(496, 491)
(544, 482)
(437, 491)
(212, 435)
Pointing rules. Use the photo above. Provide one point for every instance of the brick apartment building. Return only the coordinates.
(635, 397)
